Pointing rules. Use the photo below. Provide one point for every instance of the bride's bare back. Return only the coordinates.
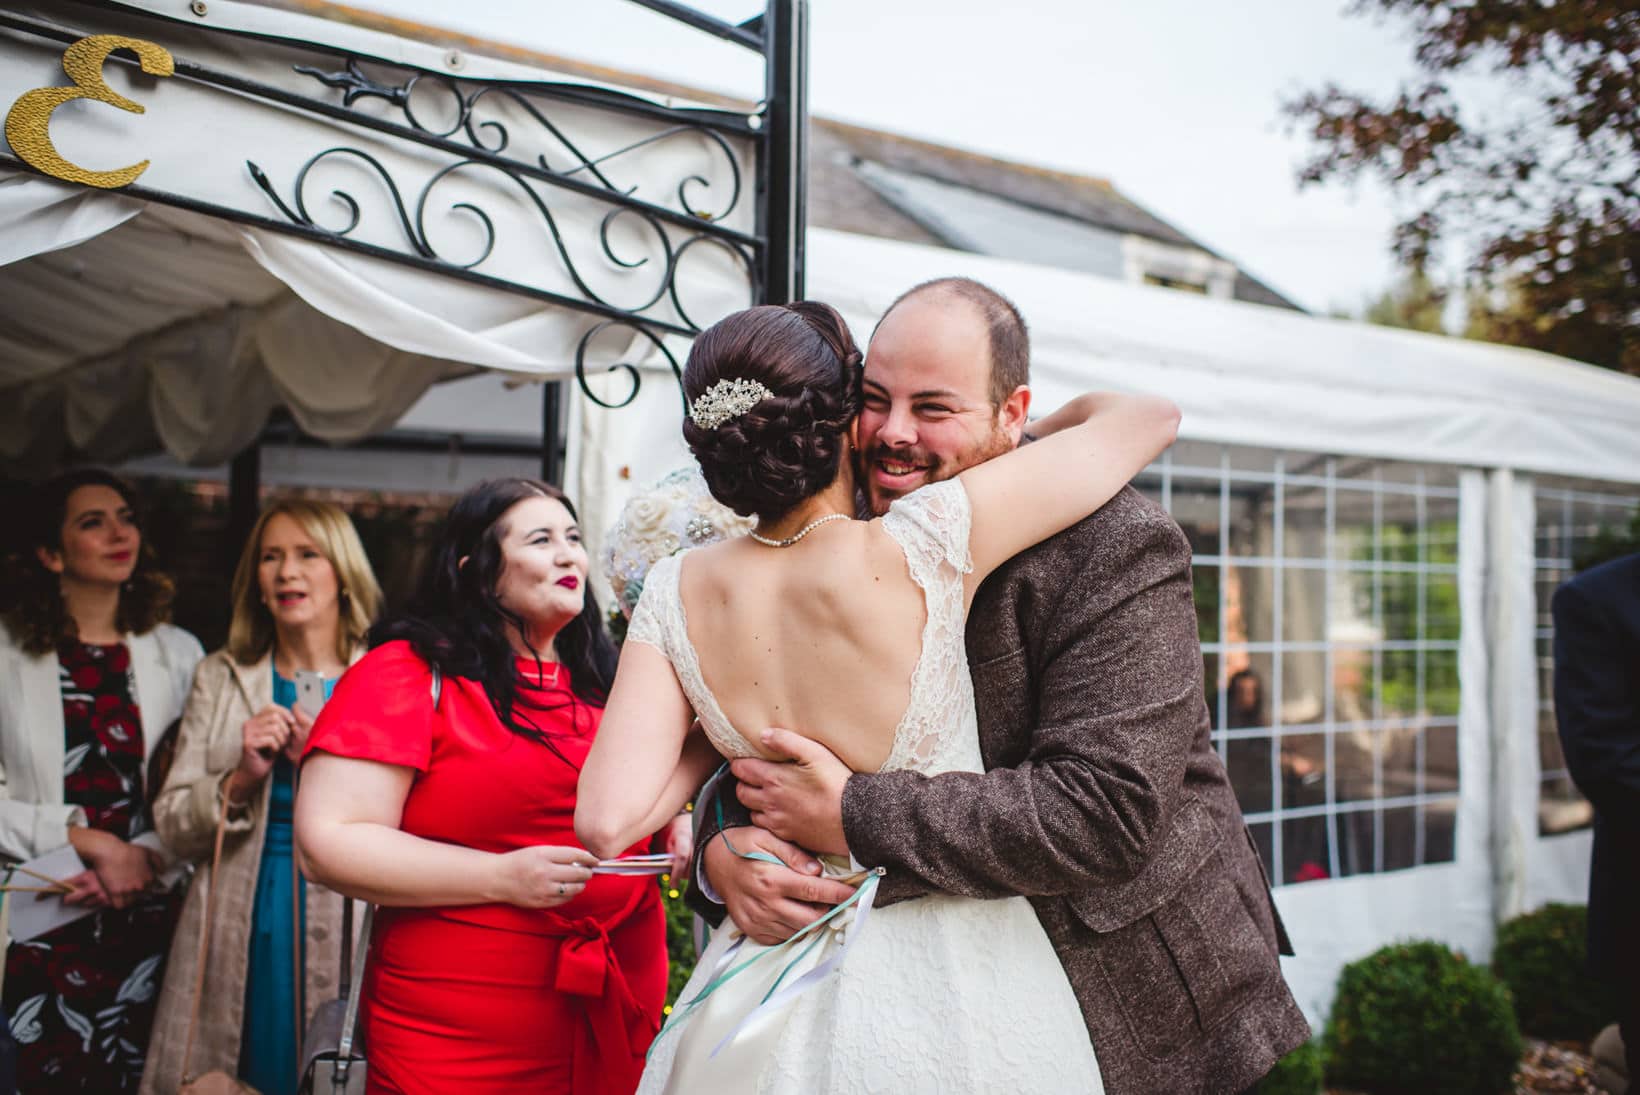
(820, 638)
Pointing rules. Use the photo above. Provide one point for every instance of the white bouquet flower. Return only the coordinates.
(676, 513)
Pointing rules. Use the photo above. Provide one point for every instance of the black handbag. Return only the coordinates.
(333, 1060)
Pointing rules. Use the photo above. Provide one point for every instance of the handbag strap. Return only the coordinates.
(347, 945)
(205, 932)
(344, 1045)
(298, 942)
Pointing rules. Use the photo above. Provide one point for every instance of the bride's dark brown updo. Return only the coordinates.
(790, 445)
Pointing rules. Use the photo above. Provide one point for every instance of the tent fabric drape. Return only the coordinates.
(133, 326)
(38, 216)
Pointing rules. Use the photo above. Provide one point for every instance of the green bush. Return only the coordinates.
(680, 940)
(1419, 1017)
(1541, 957)
(1298, 1073)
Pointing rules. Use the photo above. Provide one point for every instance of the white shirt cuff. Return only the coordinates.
(703, 884)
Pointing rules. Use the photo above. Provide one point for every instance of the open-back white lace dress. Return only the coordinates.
(940, 994)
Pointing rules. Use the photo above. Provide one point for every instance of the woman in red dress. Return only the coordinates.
(499, 962)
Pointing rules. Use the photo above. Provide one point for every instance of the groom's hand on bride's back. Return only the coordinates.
(768, 902)
(798, 796)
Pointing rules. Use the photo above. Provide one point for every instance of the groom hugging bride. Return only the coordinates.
(994, 733)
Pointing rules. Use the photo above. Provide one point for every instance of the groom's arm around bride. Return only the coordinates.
(1104, 801)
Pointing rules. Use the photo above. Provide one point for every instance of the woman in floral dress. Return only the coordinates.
(90, 677)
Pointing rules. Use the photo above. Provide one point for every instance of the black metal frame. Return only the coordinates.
(786, 29)
(772, 254)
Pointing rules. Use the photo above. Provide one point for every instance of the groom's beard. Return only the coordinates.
(927, 467)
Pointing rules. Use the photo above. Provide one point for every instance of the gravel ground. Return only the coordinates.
(1552, 1068)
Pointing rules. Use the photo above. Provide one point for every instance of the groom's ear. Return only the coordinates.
(1014, 412)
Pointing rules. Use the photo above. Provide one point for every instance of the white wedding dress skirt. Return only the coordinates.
(938, 994)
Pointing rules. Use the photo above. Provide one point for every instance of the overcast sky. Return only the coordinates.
(1176, 102)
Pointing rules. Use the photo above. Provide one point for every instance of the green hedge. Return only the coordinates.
(1541, 956)
(680, 940)
(1419, 1017)
(1298, 1073)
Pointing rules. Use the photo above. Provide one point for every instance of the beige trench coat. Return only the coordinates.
(224, 695)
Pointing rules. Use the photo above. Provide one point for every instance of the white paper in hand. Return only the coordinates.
(35, 914)
(635, 865)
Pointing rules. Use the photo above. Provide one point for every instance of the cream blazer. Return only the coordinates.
(33, 817)
(225, 694)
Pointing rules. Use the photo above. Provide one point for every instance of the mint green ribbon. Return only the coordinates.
(775, 997)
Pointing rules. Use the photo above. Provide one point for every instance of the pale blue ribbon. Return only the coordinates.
(778, 997)
(860, 900)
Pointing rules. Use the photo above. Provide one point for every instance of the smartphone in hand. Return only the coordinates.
(310, 691)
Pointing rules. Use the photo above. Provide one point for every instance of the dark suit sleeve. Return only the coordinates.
(1117, 672)
(717, 808)
(1595, 704)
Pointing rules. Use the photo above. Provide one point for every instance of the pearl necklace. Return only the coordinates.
(802, 532)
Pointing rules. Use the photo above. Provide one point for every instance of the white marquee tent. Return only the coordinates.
(1257, 378)
(1253, 377)
(129, 324)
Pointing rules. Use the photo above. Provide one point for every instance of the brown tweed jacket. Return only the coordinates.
(1105, 803)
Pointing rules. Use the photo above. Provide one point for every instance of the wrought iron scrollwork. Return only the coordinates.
(355, 85)
(413, 221)
(632, 372)
(300, 214)
(447, 125)
(492, 136)
(677, 261)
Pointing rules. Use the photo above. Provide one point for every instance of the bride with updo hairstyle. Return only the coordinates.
(848, 633)
(789, 445)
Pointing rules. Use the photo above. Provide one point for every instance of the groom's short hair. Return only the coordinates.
(1010, 342)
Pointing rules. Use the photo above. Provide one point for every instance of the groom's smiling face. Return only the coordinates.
(927, 413)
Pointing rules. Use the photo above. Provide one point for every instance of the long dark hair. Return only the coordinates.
(33, 603)
(456, 622)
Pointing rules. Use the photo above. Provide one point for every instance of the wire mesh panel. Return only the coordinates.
(1326, 593)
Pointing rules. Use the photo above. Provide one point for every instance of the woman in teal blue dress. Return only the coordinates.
(266, 1061)
(304, 597)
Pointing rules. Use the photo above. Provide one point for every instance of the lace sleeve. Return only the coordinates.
(932, 525)
(648, 623)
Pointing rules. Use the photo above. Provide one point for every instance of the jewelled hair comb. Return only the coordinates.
(726, 399)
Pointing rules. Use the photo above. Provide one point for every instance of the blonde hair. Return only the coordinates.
(250, 632)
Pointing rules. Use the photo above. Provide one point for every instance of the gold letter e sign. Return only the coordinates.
(29, 120)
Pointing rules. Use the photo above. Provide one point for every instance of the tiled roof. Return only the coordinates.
(839, 198)
(1084, 197)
